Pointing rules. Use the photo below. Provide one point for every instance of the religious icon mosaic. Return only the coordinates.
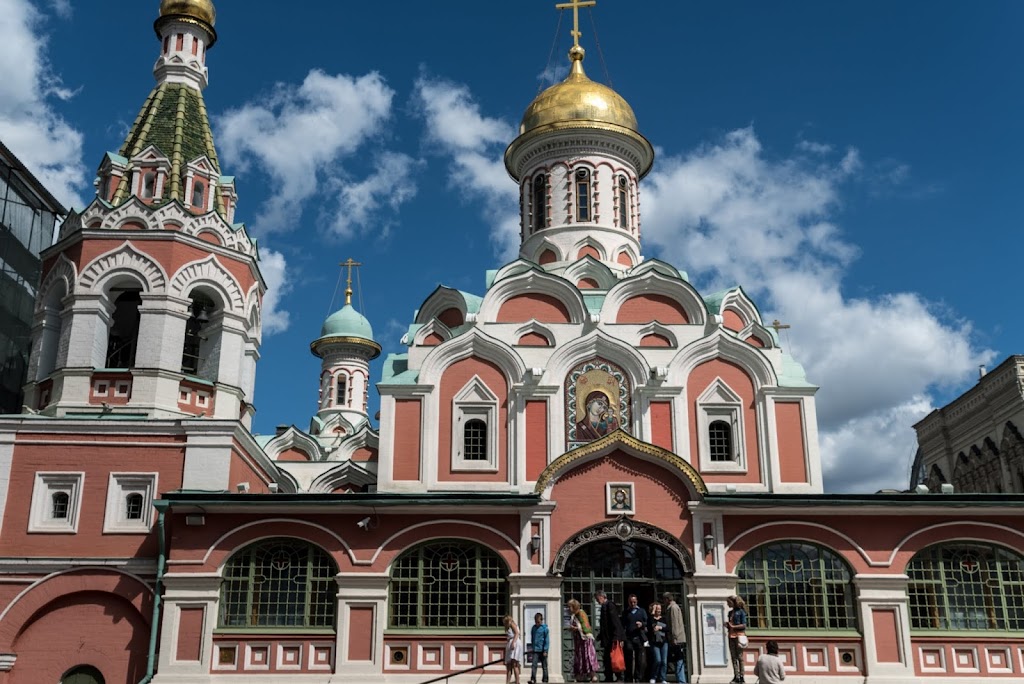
(597, 401)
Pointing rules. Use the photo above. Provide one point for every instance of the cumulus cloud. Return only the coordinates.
(29, 125)
(730, 215)
(274, 268)
(300, 135)
(475, 143)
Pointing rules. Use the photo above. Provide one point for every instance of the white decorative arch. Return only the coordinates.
(596, 344)
(546, 244)
(439, 301)
(432, 327)
(652, 281)
(473, 343)
(738, 300)
(588, 241)
(265, 521)
(358, 437)
(537, 329)
(345, 473)
(722, 345)
(444, 522)
(123, 260)
(293, 438)
(628, 250)
(515, 268)
(656, 266)
(533, 282)
(589, 267)
(760, 332)
(208, 271)
(62, 272)
(132, 210)
(657, 328)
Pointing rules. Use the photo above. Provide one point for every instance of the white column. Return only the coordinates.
(183, 592)
(882, 603)
(530, 594)
(366, 592)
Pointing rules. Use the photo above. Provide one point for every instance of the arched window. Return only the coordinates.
(133, 504)
(475, 440)
(341, 390)
(583, 195)
(148, 185)
(123, 337)
(60, 504)
(197, 345)
(279, 583)
(623, 202)
(448, 584)
(83, 674)
(796, 585)
(539, 203)
(966, 586)
(198, 195)
(720, 440)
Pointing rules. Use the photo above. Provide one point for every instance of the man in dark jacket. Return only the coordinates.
(611, 632)
(634, 619)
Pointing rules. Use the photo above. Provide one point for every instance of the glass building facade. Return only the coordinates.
(28, 214)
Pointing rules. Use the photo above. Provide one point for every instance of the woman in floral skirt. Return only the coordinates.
(584, 655)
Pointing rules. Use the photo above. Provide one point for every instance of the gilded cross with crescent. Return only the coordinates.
(575, 6)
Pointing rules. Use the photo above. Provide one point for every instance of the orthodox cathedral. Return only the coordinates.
(589, 421)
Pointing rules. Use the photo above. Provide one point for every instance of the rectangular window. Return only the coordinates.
(129, 503)
(56, 502)
(583, 201)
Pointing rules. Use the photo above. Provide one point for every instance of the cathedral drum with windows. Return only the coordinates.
(587, 421)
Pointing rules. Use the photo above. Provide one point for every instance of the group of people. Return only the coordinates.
(648, 639)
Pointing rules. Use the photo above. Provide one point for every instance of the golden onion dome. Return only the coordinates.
(201, 12)
(578, 99)
(575, 103)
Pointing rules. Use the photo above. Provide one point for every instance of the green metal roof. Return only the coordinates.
(396, 371)
(347, 322)
(174, 120)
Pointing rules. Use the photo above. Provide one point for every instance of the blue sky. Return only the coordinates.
(853, 165)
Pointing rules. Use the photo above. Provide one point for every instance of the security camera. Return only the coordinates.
(364, 524)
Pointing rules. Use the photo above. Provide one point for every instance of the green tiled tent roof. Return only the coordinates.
(174, 120)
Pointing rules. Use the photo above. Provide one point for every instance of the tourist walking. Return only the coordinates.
(584, 655)
(657, 635)
(610, 634)
(634, 620)
(513, 651)
(737, 626)
(677, 636)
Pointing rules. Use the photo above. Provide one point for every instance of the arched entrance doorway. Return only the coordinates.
(83, 674)
(622, 557)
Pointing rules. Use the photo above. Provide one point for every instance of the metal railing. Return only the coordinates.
(445, 678)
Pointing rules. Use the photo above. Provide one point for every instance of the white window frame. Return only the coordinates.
(720, 402)
(41, 514)
(474, 401)
(119, 486)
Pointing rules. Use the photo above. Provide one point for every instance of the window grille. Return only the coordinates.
(539, 202)
(720, 440)
(962, 586)
(61, 502)
(623, 203)
(475, 440)
(448, 585)
(582, 195)
(133, 507)
(279, 583)
(793, 585)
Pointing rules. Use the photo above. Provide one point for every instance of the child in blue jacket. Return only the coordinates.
(539, 641)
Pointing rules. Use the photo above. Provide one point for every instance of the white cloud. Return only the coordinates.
(729, 215)
(47, 144)
(475, 144)
(274, 268)
(62, 8)
(391, 185)
(300, 134)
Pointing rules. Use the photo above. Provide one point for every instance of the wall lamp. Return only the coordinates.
(709, 543)
(535, 544)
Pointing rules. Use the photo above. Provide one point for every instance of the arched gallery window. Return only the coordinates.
(123, 337)
(83, 674)
(583, 195)
(279, 583)
(451, 584)
(796, 585)
(199, 340)
(539, 203)
(966, 586)
(341, 390)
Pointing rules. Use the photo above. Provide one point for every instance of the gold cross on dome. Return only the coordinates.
(779, 325)
(348, 284)
(575, 5)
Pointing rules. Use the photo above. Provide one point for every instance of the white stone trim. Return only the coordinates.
(533, 282)
(474, 401)
(719, 402)
(46, 485)
(119, 486)
(123, 259)
(654, 282)
(208, 271)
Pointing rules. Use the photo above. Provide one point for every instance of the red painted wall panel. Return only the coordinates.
(534, 306)
(190, 634)
(886, 636)
(651, 307)
(792, 449)
(661, 424)
(536, 438)
(406, 462)
(360, 634)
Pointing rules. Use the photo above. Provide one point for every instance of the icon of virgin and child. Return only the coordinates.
(598, 417)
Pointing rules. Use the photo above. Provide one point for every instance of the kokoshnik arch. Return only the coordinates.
(588, 421)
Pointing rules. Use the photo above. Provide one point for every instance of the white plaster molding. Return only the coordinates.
(208, 271)
(63, 271)
(533, 282)
(124, 259)
(725, 346)
(589, 267)
(439, 301)
(473, 343)
(654, 282)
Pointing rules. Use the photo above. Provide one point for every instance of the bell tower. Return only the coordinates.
(150, 300)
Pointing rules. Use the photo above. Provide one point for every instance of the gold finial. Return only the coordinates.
(779, 325)
(575, 5)
(348, 283)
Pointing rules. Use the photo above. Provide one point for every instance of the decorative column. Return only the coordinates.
(532, 594)
(189, 616)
